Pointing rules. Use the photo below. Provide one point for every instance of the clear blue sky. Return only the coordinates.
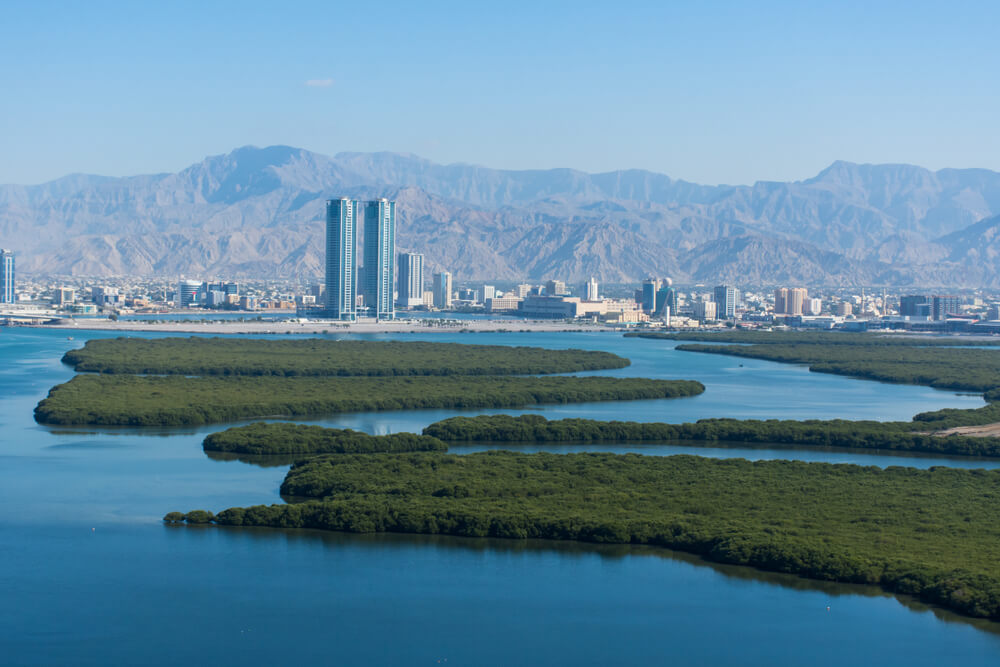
(713, 92)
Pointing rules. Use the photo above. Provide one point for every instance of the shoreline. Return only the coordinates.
(332, 327)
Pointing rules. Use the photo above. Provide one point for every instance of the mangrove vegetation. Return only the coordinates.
(322, 357)
(867, 435)
(943, 368)
(173, 400)
(931, 533)
(283, 438)
(816, 338)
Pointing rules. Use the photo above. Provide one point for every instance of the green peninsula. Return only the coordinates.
(174, 400)
(322, 357)
(283, 438)
(931, 533)
(868, 435)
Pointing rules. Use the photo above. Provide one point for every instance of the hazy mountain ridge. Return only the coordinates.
(257, 212)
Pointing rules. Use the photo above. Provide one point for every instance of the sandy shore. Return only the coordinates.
(320, 327)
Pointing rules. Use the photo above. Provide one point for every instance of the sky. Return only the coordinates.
(710, 92)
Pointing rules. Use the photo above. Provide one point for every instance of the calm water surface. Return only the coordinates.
(89, 575)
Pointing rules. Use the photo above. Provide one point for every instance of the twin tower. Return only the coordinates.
(379, 250)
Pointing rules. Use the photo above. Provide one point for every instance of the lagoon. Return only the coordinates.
(91, 576)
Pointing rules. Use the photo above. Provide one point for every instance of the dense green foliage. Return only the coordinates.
(896, 436)
(174, 400)
(320, 357)
(284, 438)
(943, 368)
(194, 516)
(932, 533)
(815, 338)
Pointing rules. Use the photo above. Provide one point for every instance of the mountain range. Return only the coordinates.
(258, 212)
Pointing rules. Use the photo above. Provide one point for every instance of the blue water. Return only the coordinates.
(89, 575)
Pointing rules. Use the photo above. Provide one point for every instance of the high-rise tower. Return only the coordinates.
(7, 276)
(341, 291)
(411, 280)
(380, 257)
(725, 298)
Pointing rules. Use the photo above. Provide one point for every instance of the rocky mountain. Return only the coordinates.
(259, 211)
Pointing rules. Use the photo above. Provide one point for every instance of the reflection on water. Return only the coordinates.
(261, 460)
(714, 449)
(335, 541)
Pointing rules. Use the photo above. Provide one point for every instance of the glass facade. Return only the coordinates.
(341, 291)
(380, 257)
(7, 294)
(411, 280)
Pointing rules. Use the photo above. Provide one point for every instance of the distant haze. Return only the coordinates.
(258, 212)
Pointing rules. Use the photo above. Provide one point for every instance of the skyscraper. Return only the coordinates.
(592, 293)
(780, 301)
(442, 290)
(650, 287)
(380, 256)
(7, 276)
(341, 291)
(411, 280)
(796, 299)
(725, 298)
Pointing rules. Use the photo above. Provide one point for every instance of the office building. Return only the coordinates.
(504, 304)
(318, 290)
(7, 294)
(489, 291)
(550, 306)
(442, 290)
(666, 299)
(780, 300)
(591, 291)
(556, 288)
(704, 310)
(943, 307)
(341, 290)
(105, 296)
(215, 298)
(522, 290)
(725, 298)
(226, 288)
(63, 296)
(914, 305)
(814, 307)
(650, 287)
(188, 293)
(411, 280)
(993, 312)
(380, 257)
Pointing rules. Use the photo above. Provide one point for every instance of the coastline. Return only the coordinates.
(329, 327)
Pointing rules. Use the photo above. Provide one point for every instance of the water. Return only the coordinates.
(90, 576)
